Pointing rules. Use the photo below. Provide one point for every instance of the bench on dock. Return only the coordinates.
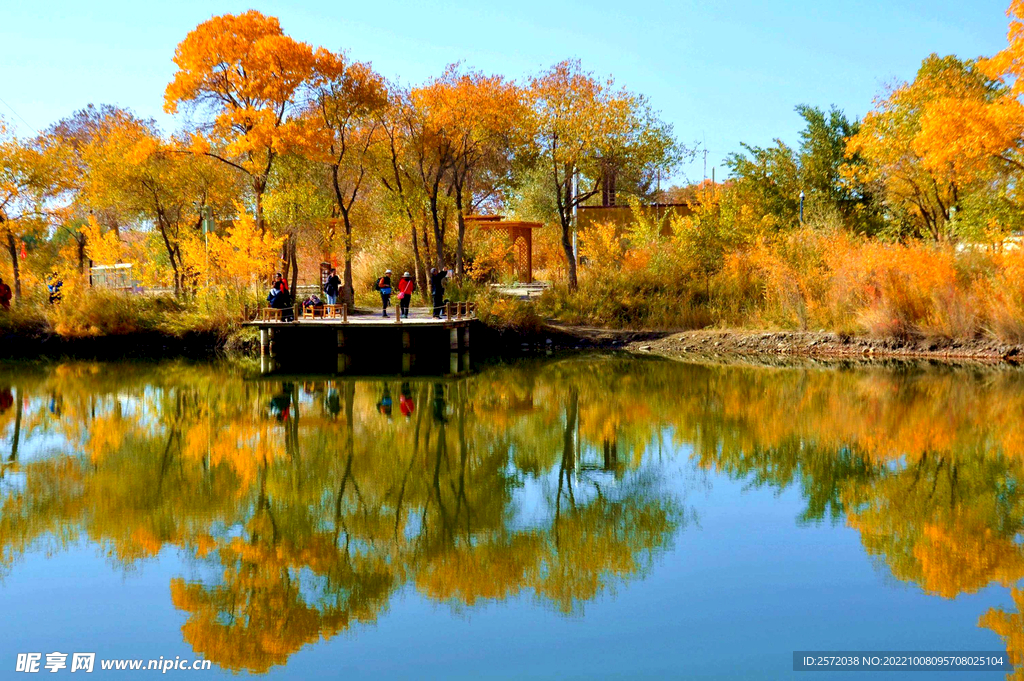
(268, 314)
(312, 311)
(336, 311)
(325, 312)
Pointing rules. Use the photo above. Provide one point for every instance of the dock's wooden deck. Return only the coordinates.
(419, 318)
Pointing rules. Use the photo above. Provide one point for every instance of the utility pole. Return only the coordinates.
(801, 206)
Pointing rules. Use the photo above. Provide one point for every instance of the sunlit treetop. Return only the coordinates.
(1008, 65)
(248, 74)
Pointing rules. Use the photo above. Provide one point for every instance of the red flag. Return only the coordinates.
(23, 253)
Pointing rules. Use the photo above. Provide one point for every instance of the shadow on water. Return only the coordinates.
(307, 503)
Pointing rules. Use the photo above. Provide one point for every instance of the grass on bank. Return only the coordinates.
(814, 278)
(97, 313)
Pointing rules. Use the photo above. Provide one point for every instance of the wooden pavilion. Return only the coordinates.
(520, 234)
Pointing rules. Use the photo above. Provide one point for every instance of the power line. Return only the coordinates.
(19, 116)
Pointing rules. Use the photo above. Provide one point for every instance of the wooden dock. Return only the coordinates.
(365, 343)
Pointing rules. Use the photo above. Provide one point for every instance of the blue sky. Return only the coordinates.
(724, 72)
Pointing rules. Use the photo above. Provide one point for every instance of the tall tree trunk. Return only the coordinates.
(435, 215)
(258, 191)
(418, 266)
(170, 256)
(426, 249)
(294, 260)
(570, 255)
(566, 199)
(348, 294)
(80, 241)
(459, 265)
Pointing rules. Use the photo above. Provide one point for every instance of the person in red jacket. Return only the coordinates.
(406, 286)
(5, 295)
(278, 277)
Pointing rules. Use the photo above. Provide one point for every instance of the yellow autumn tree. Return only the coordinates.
(247, 75)
(32, 175)
(240, 259)
(929, 143)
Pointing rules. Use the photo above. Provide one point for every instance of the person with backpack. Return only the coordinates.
(331, 287)
(406, 286)
(384, 287)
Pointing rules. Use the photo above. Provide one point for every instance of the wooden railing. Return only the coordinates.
(463, 310)
(457, 311)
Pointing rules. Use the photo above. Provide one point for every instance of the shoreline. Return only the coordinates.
(702, 343)
(824, 346)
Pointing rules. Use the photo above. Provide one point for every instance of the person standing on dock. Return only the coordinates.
(331, 287)
(406, 286)
(437, 290)
(384, 286)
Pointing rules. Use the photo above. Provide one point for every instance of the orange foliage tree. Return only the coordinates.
(929, 143)
(32, 175)
(584, 128)
(478, 120)
(346, 100)
(248, 75)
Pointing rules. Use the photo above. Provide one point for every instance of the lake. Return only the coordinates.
(592, 517)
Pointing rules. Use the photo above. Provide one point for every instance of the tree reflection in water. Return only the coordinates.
(315, 504)
(316, 501)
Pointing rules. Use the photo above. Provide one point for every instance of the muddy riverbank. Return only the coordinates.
(820, 344)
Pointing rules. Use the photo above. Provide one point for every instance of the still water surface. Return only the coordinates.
(595, 517)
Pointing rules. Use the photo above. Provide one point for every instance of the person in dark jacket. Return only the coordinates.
(279, 299)
(406, 286)
(331, 287)
(437, 289)
(384, 287)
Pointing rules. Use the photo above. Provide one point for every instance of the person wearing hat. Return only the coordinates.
(384, 286)
(405, 288)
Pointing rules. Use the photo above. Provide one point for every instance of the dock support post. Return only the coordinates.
(264, 341)
(453, 339)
